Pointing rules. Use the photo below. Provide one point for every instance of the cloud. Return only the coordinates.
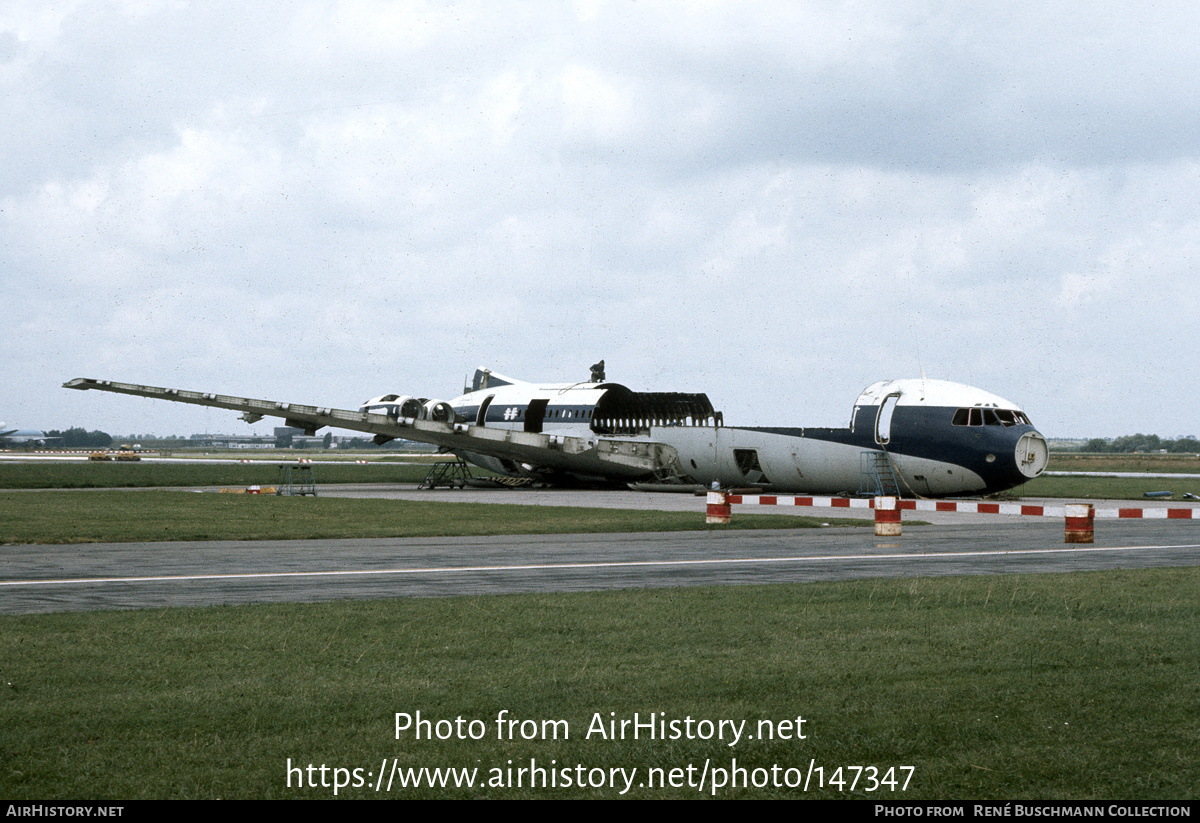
(773, 204)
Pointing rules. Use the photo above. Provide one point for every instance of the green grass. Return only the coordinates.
(76, 475)
(1078, 462)
(1106, 488)
(113, 516)
(1077, 686)
(1119, 488)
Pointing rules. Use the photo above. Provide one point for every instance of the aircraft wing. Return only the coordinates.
(596, 456)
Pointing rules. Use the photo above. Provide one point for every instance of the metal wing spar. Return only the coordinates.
(596, 456)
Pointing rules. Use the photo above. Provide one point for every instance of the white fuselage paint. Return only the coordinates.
(801, 464)
(788, 460)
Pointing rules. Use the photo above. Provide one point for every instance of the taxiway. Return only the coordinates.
(79, 577)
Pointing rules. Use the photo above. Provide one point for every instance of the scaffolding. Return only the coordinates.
(296, 480)
(453, 474)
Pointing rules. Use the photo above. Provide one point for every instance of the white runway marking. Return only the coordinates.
(564, 566)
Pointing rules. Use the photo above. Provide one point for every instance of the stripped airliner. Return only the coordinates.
(913, 438)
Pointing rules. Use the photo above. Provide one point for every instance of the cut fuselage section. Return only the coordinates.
(925, 437)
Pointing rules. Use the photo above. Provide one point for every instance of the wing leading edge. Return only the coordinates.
(594, 456)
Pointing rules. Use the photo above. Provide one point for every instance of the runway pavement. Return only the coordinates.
(143, 575)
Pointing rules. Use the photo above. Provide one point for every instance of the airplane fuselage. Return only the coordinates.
(906, 437)
(914, 437)
(24, 437)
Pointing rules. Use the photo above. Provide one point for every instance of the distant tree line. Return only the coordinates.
(80, 439)
(1142, 443)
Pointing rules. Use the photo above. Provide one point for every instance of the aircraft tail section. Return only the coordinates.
(487, 379)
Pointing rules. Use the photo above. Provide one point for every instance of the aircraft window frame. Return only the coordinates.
(747, 463)
(481, 414)
(884, 417)
(989, 416)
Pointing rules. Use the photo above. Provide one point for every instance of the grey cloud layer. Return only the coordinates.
(773, 203)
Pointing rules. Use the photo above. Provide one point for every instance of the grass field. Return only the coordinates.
(1091, 462)
(79, 475)
(113, 516)
(1106, 488)
(1077, 686)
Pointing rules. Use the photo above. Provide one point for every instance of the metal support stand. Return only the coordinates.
(453, 474)
(296, 480)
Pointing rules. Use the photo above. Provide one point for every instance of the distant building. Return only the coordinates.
(232, 441)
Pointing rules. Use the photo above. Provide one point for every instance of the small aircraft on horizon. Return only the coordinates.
(23, 437)
(913, 438)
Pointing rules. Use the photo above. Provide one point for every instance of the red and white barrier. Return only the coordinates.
(962, 506)
(1079, 517)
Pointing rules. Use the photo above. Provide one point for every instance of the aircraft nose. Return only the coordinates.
(1032, 454)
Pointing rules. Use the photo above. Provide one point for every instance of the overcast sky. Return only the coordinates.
(774, 203)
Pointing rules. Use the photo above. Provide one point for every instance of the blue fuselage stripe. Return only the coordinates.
(926, 432)
(916, 431)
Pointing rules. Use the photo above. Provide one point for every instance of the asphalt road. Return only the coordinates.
(154, 575)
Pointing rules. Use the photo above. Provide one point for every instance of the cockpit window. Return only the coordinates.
(977, 416)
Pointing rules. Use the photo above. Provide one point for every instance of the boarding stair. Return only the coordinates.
(877, 477)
